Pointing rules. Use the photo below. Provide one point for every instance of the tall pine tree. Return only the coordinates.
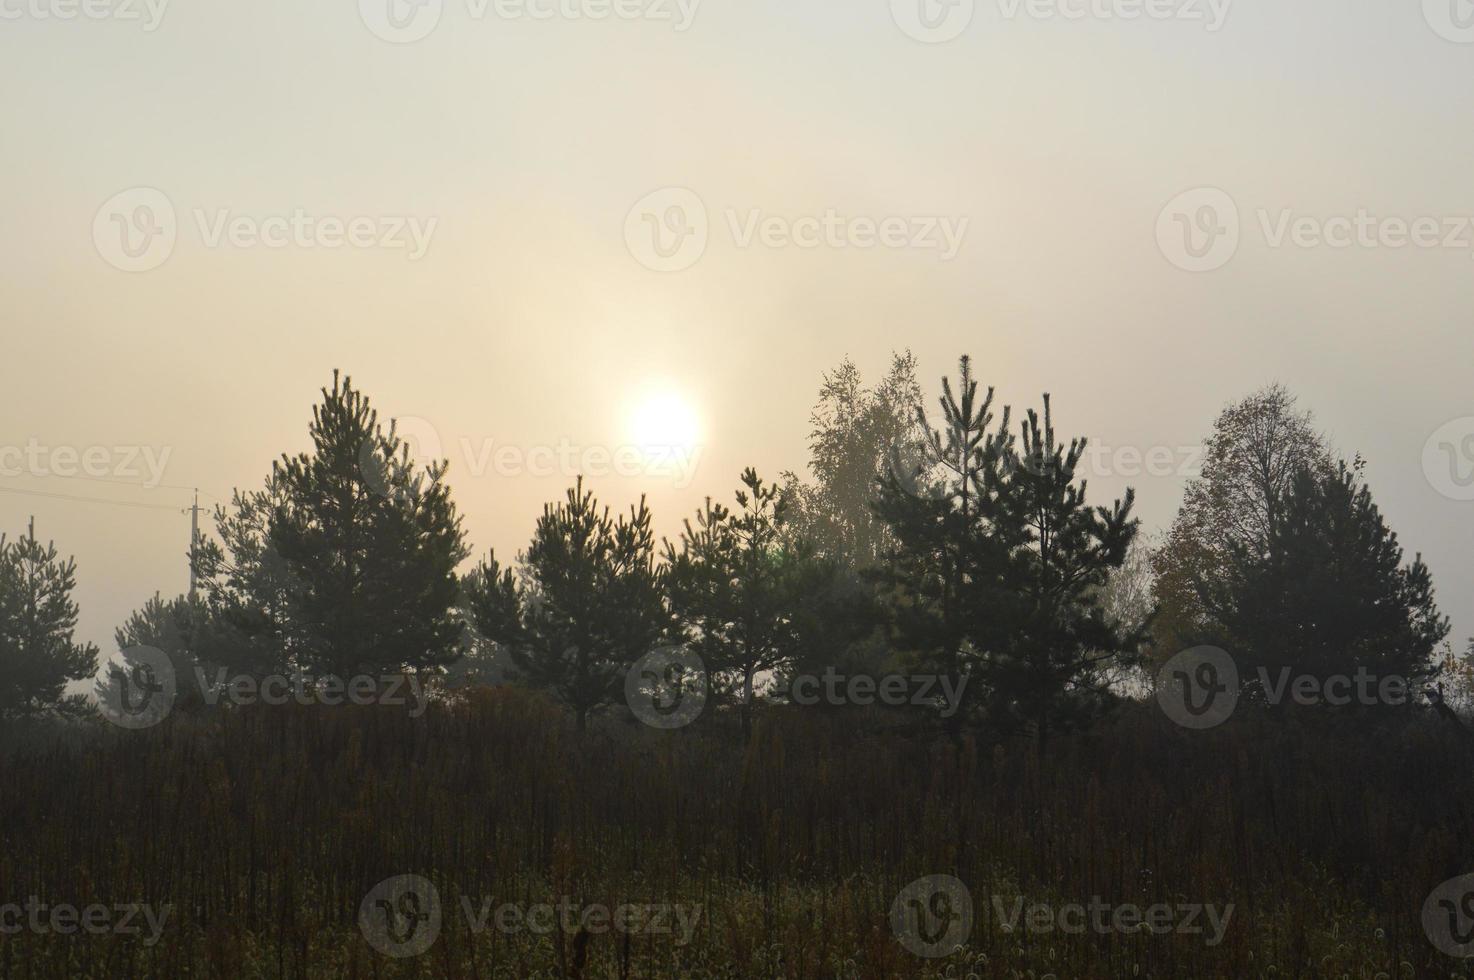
(372, 543)
(945, 517)
(591, 605)
(1051, 648)
(38, 655)
(737, 584)
(1328, 592)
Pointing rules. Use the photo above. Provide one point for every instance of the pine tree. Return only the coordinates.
(247, 588)
(372, 542)
(737, 583)
(591, 606)
(180, 628)
(1329, 592)
(1050, 647)
(945, 516)
(38, 655)
(1000, 572)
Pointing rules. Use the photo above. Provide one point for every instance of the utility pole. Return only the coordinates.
(194, 537)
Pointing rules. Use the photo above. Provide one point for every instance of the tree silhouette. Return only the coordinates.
(736, 583)
(1049, 646)
(592, 605)
(1329, 593)
(248, 589)
(181, 629)
(857, 433)
(1250, 461)
(373, 543)
(38, 656)
(952, 542)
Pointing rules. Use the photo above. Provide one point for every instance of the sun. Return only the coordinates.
(664, 421)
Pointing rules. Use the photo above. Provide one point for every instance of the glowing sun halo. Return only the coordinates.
(663, 421)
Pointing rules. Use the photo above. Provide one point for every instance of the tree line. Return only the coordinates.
(957, 543)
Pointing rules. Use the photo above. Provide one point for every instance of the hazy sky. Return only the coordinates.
(531, 153)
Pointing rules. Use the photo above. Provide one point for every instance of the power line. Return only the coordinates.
(90, 500)
(130, 483)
